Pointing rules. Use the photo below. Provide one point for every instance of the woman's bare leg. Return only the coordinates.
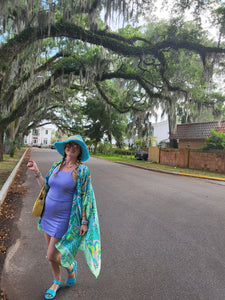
(54, 257)
(48, 239)
(71, 275)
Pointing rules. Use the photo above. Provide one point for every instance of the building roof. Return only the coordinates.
(198, 130)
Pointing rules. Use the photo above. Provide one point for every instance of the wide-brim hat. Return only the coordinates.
(60, 146)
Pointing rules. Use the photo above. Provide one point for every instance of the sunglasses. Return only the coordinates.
(74, 147)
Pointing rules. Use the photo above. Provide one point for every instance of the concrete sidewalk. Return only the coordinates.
(7, 184)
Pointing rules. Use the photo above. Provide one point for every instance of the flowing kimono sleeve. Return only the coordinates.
(90, 243)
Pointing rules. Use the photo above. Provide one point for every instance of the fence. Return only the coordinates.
(207, 160)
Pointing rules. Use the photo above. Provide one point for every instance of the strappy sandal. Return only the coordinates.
(70, 281)
(52, 292)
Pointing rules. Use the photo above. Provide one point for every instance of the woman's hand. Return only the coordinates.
(31, 165)
(83, 230)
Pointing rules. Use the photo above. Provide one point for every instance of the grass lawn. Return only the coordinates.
(8, 164)
(147, 164)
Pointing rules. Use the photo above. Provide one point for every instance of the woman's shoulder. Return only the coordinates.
(83, 169)
(56, 163)
(82, 166)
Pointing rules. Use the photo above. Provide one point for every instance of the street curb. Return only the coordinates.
(202, 176)
(172, 173)
(148, 169)
(5, 188)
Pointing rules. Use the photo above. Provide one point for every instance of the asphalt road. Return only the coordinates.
(162, 238)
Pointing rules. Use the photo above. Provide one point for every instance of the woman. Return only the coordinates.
(70, 219)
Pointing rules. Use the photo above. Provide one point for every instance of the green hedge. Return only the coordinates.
(124, 152)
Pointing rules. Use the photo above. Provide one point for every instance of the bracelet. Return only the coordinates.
(84, 222)
(38, 174)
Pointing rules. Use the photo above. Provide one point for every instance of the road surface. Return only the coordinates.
(162, 238)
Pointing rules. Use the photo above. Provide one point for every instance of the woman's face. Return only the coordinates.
(72, 150)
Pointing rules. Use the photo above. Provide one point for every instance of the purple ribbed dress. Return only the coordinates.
(58, 203)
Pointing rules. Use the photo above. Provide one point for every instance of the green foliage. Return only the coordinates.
(69, 64)
(220, 15)
(130, 31)
(102, 120)
(215, 141)
(105, 148)
(140, 144)
(108, 149)
(123, 152)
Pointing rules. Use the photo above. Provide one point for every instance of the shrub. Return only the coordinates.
(215, 141)
(105, 148)
(123, 152)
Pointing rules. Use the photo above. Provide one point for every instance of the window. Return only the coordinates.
(45, 141)
(35, 141)
(35, 132)
(46, 131)
(25, 140)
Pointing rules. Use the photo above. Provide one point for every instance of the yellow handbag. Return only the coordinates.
(39, 203)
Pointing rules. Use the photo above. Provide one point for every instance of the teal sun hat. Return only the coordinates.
(60, 146)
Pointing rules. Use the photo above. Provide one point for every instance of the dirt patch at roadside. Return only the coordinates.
(10, 213)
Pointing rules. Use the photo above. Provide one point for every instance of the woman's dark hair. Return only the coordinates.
(79, 156)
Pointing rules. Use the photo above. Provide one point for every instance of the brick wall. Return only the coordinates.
(208, 160)
(174, 157)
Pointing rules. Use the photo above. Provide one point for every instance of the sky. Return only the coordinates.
(163, 12)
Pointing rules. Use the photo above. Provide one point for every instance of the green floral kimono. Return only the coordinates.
(71, 242)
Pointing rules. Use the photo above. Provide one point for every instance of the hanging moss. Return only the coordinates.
(34, 20)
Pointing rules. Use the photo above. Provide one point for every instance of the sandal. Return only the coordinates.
(70, 281)
(52, 292)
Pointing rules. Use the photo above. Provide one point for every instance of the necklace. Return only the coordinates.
(70, 166)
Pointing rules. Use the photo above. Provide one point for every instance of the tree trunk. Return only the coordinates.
(172, 119)
(7, 141)
(1, 143)
(96, 144)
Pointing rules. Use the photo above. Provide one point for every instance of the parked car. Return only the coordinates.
(52, 147)
(141, 155)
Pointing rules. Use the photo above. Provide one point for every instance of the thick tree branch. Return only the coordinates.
(132, 76)
(110, 41)
(9, 93)
(21, 105)
(123, 109)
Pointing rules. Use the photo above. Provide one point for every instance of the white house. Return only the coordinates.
(41, 136)
(160, 132)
